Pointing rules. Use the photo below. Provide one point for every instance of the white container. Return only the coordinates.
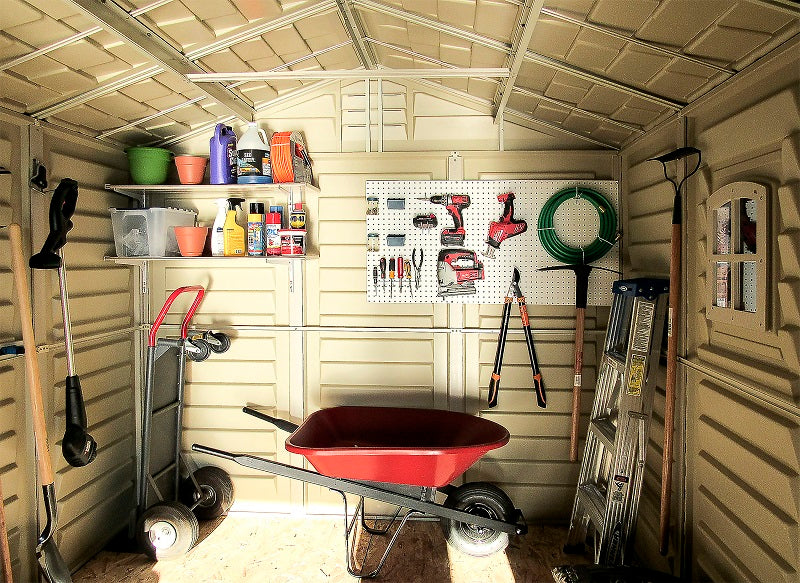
(148, 232)
(252, 157)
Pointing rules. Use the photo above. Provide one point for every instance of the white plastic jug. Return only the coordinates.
(252, 157)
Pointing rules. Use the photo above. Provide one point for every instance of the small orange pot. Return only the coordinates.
(191, 240)
(191, 168)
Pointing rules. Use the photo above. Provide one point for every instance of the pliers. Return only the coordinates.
(417, 267)
(515, 294)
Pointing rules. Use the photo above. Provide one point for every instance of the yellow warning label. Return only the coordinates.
(636, 374)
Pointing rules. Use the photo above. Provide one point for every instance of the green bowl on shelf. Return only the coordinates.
(148, 165)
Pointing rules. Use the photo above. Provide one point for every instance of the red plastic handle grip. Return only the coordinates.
(151, 340)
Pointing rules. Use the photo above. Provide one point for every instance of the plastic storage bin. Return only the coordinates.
(148, 232)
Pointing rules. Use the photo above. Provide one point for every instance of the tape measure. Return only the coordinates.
(289, 159)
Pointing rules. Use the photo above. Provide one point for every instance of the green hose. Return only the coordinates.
(606, 236)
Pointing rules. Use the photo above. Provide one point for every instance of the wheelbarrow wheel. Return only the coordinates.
(481, 499)
(203, 348)
(167, 530)
(222, 344)
(215, 497)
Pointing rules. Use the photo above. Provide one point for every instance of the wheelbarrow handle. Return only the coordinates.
(151, 340)
(287, 426)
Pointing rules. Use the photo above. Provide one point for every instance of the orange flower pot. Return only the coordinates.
(191, 240)
(191, 169)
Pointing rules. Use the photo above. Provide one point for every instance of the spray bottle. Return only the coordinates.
(218, 230)
(233, 231)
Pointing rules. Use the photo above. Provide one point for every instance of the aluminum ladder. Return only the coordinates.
(609, 485)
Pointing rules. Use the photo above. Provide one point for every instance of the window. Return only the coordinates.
(737, 266)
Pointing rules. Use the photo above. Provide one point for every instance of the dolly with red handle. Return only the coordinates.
(506, 227)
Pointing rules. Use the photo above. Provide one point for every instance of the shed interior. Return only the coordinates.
(411, 90)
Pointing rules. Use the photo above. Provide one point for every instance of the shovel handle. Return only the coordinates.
(580, 319)
(43, 462)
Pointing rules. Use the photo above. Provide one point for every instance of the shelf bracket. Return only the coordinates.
(143, 277)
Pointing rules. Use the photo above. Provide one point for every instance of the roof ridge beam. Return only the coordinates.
(355, 30)
(114, 19)
(523, 32)
(381, 73)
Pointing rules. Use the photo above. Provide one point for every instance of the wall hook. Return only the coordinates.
(39, 175)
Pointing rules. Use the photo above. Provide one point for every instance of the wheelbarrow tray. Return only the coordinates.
(417, 447)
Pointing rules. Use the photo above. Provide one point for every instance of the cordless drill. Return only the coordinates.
(454, 203)
(506, 227)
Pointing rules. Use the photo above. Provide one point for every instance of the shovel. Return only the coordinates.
(51, 563)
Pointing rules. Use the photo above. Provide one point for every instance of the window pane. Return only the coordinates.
(748, 286)
(722, 277)
(722, 229)
(747, 226)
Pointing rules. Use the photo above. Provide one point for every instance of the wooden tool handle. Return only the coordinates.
(580, 318)
(8, 575)
(669, 389)
(31, 361)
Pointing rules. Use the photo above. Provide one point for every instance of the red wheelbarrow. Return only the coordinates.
(401, 457)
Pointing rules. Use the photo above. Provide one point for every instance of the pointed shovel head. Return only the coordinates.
(51, 563)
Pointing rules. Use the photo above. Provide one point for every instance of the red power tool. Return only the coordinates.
(454, 203)
(457, 271)
(506, 227)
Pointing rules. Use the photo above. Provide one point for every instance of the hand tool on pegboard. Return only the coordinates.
(417, 266)
(672, 333)
(375, 278)
(408, 277)
(515, 294)
(391, 275)
(581, 299)
(455, 205)
(51, 563)
(506, 227)
(400, 266)
(382, 264)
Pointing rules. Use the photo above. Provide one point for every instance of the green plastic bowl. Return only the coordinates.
(148, 165)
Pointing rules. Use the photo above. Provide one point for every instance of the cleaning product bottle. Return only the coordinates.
(252, 154)
(255, 229)
(233, 231)
(222, 157)
(218, 230)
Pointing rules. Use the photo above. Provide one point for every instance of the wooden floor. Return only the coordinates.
(273, 549)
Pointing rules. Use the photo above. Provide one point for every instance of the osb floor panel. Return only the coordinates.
(270, 549)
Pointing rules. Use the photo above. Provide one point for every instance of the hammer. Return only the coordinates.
(582, 272)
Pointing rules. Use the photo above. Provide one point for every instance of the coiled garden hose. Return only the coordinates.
(606, 236)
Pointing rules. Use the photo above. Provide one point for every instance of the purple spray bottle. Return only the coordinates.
(223, 155)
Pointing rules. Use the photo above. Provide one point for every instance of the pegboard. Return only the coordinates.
(576, 224)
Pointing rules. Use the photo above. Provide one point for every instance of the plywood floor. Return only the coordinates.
(274, 549)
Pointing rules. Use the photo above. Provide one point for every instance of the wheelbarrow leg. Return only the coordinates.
(351, 536)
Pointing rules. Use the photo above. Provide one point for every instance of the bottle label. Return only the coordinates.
(232, 163)
(253, 163)
(255, 238)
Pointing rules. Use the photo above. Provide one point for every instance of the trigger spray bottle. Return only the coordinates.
(218, 230)
(233, 231)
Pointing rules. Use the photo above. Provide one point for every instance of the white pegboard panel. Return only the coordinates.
(576, 223)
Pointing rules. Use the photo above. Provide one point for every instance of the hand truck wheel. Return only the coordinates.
(215, 496)
(167, 530)
(482, 499)
(220, 342)
(203, 350)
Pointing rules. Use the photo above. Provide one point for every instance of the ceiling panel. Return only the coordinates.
(586, 69)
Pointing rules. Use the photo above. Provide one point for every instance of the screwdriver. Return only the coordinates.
(408, 276)
(375, 278)
(391, 275)
(383, 272)
(400, 265)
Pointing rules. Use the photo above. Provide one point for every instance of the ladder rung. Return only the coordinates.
(604, 430)
(594, 503)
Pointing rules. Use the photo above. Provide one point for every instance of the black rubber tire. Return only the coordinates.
(223, 339)
(482, 499)
(203, 346)
(167, 530)
(217, 491)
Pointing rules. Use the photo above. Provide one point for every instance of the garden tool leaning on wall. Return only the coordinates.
(581, 299)
(78, 447)
(515, 294)
(672, 335)
(51, 563)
